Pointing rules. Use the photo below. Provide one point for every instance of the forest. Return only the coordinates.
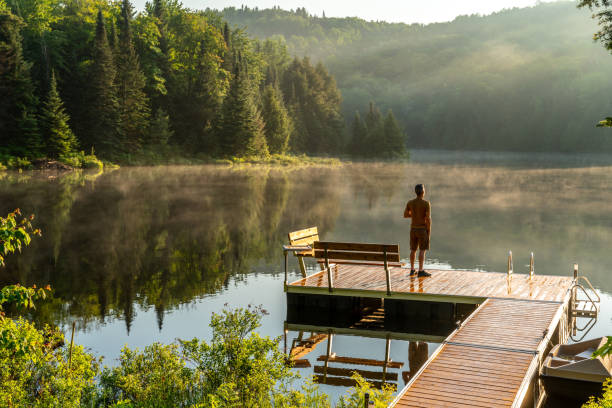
(85, 78)
(529, 79)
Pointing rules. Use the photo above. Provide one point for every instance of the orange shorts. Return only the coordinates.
(419, 239)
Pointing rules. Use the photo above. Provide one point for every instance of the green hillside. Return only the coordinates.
(522, 79)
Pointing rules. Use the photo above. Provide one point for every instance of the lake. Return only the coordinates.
(139, 255)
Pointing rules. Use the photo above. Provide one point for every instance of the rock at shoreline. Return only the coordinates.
(43, 164)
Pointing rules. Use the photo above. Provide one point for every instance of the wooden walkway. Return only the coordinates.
(491, 360)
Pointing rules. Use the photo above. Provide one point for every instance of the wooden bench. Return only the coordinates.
(337, 253)
(300, 243)
(305, 243)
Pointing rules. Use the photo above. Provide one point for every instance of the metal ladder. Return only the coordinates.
(584, 304)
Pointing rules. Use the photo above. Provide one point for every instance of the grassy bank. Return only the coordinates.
(78, 160)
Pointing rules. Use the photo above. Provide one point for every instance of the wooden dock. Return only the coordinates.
(443, 286)
(492, 360)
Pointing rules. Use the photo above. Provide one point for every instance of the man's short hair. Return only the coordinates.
(419, 189)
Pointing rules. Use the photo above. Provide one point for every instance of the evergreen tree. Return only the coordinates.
(358, 146)
(58, 138)
(376, 132)
(19, 132)
(160, 131)
(103, 109)
(241, 132)
(134, 112)
(394, 137)
(277, 122)
(314, 100)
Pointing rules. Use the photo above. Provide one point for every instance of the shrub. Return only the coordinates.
(14, 233)
(82, 160)
(36, 371)
(606, 399)
(158, 376)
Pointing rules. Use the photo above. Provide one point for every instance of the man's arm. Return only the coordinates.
(407, 211)
(428, 220)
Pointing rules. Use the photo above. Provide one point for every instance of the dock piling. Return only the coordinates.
(575, 270)
(510, 266)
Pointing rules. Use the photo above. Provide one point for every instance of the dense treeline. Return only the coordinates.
(95, 76)
(376, 136)
(523, 79)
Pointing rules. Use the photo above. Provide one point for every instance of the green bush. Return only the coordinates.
(15, 233)
(35, 371)
(158, 376)
(606, 399)
(14, 163)
(82, 160)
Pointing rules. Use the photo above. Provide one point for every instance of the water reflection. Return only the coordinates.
(161, 237)
(156, 237)
(409, 324)
(151, 250)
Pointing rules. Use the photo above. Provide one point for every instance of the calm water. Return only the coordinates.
(139, 255)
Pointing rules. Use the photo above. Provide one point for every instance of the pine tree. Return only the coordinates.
(394, 137)
(58, 138)
(277, 122)
(241, 132)
(159, 130)
(376, 132)
(19, 131)
(134, 112)
(358, 146)
(103, 109)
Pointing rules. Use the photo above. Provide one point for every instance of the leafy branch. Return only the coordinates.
(607, 122)
(604, 350)
(15, 233)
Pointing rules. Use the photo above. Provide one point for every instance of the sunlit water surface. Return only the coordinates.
(139, 255)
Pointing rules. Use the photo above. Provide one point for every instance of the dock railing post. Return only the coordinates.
(286, 268)
(329, 274)
(575, 271)
(387, 274)
(510, 266)
(531, 267)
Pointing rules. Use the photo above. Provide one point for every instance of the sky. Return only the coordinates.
(406, 11)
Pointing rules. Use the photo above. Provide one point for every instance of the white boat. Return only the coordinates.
(570, 372)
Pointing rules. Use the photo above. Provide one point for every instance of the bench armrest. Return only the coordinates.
(296, 248)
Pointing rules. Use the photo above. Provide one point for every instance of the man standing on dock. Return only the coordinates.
(420, 228)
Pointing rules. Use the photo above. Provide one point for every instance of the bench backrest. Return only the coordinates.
(356, 251)
(304, 237)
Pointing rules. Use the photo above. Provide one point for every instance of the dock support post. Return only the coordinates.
(329, 274)
(286, 268)
(510, 266)
(575, 271)
(531, 267)
(387, 274)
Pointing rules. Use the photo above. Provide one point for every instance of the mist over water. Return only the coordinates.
(139, 255)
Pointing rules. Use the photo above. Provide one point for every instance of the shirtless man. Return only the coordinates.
(420, 228)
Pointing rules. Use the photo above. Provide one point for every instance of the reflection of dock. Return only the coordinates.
(492, 360)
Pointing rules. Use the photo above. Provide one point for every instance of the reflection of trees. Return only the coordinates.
(158, 237)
